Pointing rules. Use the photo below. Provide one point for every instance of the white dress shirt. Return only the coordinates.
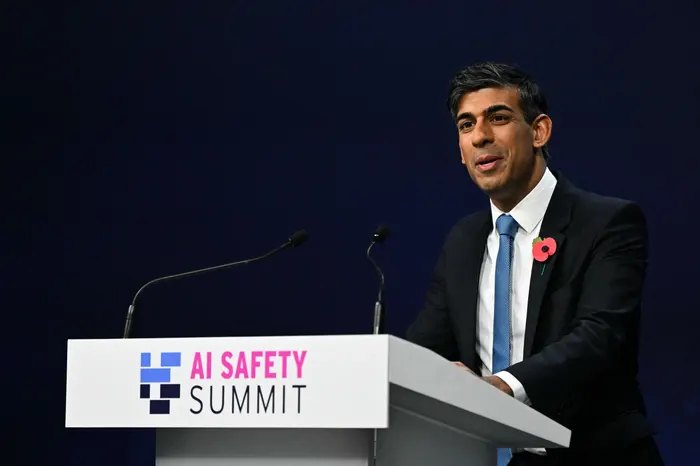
(529, 214)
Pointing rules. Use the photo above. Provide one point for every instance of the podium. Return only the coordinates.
(351, 400)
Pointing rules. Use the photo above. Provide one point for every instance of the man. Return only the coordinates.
(540, 295)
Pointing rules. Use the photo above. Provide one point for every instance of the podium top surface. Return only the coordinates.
(335, 381)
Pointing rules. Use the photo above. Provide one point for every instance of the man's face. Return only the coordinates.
(496, 142)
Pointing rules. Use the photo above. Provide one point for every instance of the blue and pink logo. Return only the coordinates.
(159, 377)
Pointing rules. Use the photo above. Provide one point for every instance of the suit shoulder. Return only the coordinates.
(604, 209)
(467, 225)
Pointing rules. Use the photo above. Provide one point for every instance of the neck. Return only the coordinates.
(509, 200)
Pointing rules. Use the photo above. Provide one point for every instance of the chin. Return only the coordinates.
(492, 192)
(492, 185)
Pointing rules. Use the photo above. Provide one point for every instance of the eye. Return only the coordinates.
(500, 118)
(465, 125)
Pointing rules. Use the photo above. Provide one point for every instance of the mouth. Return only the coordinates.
(488, 162)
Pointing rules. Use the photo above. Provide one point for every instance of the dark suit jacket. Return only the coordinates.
(583, 315)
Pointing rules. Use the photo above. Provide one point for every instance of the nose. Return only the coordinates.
(482, 134)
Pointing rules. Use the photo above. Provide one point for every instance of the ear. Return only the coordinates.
(541, 131)
(461, 155)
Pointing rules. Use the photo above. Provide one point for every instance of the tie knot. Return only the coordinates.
(506, 225)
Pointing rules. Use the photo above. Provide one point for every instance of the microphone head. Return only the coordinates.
(380, 234)
(298, 238)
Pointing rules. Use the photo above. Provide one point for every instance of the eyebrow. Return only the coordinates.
(489, 111)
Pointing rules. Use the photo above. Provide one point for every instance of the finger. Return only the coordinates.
(460, 364)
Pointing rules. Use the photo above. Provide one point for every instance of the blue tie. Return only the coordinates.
(507, 227)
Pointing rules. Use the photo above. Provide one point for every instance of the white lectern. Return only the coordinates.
(302, 400)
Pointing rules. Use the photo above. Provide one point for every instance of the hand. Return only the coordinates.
(459, 364)
(498, 383)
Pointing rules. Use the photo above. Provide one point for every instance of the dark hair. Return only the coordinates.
(485, 75)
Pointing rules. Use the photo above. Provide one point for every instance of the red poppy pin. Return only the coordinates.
(542, 249)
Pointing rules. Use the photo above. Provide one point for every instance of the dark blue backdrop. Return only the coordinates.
(147, 138)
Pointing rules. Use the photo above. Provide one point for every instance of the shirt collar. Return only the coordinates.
(531, 209)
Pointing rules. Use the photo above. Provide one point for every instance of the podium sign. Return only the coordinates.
(300, 382)
(350, 400)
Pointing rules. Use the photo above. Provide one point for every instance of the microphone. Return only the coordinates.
(297, 239)
(380, 234)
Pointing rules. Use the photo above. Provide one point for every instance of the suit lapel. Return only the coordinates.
(473, 257)
(554, 223)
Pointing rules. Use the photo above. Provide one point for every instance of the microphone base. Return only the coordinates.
(127, 325)
(378, 326)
